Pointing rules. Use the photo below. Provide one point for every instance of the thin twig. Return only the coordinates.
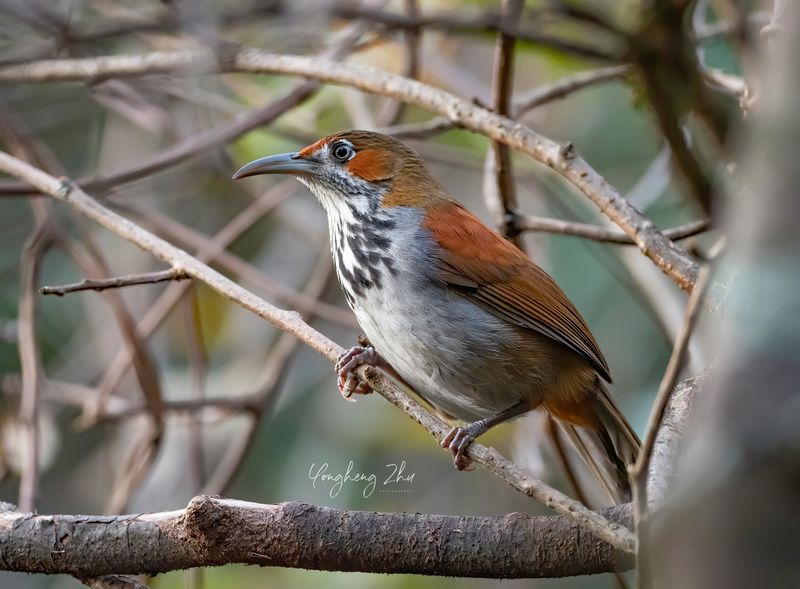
(419, 131)
(598, 233)
(35, 248)
(498, 180)
(116, 282)
(134, 466)
(487, 22)
(525, 102)
(184, 235)
(640, 468)
(161, 308)
(393, 110)
(198, 363)
(91, 261)
(267, 388)
(290, 322)
(522, 103)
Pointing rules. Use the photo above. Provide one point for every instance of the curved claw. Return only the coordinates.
(348, 382)
(457, 442)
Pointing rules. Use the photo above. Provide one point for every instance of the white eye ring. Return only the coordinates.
(342, 152)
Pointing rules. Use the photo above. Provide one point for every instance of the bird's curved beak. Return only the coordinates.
(283, 163)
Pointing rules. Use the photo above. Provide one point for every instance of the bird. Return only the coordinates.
(450, 307)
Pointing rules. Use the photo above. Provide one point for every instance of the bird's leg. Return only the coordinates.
(460, 437)
(363, 353)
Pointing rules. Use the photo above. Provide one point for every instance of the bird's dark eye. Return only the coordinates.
(342, 152)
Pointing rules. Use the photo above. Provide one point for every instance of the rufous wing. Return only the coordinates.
(478, 263)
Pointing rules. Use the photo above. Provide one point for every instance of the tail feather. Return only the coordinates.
(595, 467)
(603, 439)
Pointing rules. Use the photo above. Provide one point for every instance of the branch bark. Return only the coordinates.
(671, 259)
(212, 531)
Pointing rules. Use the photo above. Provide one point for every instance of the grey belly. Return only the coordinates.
(460, 357)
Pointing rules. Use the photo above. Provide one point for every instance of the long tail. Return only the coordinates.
(603, 439)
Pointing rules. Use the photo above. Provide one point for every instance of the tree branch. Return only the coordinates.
(212, 531)
(564, 87)
(115, 282)
(597, 233)
(487, 22)
(498, 177)
(672, 260)
(292, 323)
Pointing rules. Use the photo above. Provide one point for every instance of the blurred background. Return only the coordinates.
(248, 413)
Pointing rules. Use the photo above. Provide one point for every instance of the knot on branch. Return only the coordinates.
(65, 187)
(567, 151)
(204, 519)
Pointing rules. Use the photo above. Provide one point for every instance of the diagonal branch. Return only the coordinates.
(563, 159)
(291, 322)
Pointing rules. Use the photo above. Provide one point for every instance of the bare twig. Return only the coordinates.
(498, 180)
(598, 233)
(523, 103)
(292, 323)
(393, 110)
(562, 88)
(639, 471)
(198, 363)
(488, 21)
(135, 466)
(179, 233)
(265, 392)
(116, 282)
(91, 262)
(641, 468)
(430, 128)
(35, 248)
(77, 395)
(171, 296)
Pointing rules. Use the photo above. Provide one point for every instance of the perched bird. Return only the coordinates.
(451, 307)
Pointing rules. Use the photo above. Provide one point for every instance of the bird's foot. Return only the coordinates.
(457, 441)
(348, 382)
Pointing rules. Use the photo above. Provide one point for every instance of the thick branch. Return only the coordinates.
(672, 260)
(213, 531)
